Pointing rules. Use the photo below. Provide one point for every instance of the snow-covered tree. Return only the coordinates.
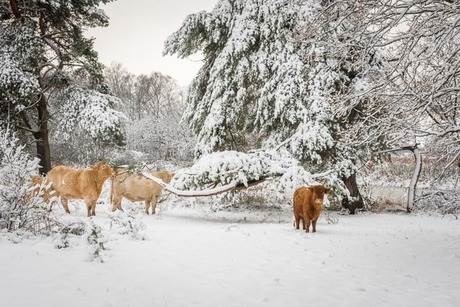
(43, 52)
(266, 83)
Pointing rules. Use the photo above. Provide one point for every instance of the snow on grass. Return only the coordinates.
(198, 257)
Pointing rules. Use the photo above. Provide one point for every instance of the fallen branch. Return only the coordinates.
(203, 193)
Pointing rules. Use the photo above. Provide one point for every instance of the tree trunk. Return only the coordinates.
(356, 201)
(42, 137)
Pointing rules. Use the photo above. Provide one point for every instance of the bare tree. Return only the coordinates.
(155, 94)
(420, 90)
(154, 106)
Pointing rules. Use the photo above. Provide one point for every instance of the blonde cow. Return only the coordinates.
(71, 183)
(136, 187)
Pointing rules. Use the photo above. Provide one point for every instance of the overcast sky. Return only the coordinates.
(137, 31)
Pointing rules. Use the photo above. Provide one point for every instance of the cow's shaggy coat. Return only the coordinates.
(308, 204)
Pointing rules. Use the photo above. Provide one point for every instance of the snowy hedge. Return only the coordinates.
(18, 210)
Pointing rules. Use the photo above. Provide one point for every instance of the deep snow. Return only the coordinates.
(193, 256)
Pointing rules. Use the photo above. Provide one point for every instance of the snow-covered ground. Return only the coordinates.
(197, 257)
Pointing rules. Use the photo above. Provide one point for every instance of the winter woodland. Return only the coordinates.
(290, 93)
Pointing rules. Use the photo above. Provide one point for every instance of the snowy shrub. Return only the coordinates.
(69, 227)
(127, 225)
(18, 209)
(61, 240)
(443, 202)
(95, 239)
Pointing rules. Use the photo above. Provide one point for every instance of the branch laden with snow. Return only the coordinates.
(90, 111)
(230, 170)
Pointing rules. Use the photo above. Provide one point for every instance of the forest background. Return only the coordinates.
(323, 90)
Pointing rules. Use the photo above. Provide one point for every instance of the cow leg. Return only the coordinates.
(147, 206)
(154, 204)
(119, 205)
(116, 203)
(64, 202)
(306, 218)
(91, 207)
(308, 224)
(313, 223)
(297, 221)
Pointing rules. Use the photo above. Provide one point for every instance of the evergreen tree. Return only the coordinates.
(43, 52)
(267, 82)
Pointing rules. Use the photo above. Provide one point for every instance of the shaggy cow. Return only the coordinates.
(85, 184)
(308, 203)
(136, 187)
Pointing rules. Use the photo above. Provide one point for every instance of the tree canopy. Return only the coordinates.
(43, 52)
(262, 84)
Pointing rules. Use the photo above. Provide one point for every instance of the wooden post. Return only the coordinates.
(415, 173)
(415, 176)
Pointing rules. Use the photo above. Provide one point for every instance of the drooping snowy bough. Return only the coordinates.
(231, 170)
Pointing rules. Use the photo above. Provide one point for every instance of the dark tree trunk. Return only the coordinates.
(15, 9)
(42, 137)
(356, 201)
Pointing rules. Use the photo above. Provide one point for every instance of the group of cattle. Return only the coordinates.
(70, 183)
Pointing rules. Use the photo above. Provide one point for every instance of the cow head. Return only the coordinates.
(165, 176)
(319, 191)
(169, 177)
(103, 169)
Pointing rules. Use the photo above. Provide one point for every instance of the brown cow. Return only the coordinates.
(85, 184)
(308, 203)
(136, 187)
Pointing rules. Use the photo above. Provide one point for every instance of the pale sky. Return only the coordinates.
(137, 31)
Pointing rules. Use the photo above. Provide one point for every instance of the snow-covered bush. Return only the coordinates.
(127, 225)
(70, 226)
(443, 202)
(19, 210)
(96, 240)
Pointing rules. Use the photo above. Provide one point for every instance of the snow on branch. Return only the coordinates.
(208, 192)
(230, 170)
